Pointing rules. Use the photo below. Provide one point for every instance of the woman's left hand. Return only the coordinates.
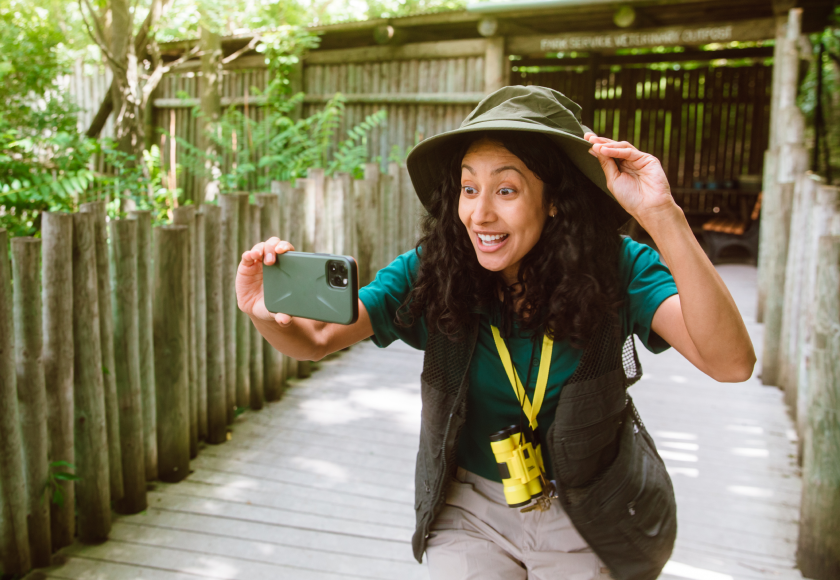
(636, 179)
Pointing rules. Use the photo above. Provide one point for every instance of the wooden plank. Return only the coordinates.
(442, 49)
(261, 551)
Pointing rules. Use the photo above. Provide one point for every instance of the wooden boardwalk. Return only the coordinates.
(320, 484)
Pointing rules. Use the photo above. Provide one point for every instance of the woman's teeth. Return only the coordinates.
(492, 240)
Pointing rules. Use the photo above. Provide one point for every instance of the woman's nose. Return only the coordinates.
(483, 211)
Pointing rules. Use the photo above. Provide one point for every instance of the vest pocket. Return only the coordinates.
(580, 455)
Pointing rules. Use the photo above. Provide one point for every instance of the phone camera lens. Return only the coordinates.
(337, 274)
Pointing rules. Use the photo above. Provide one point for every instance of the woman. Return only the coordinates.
(522, 293)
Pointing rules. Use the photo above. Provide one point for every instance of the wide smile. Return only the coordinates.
(491, 242)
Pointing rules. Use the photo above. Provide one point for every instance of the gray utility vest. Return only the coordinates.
(612, 482)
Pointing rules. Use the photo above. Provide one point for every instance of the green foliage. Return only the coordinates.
(247, 153)
(53, 487)
(829, 64)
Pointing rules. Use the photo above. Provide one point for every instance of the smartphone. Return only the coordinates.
(322, 287)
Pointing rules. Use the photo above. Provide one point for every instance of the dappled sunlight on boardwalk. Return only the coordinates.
(320, 485)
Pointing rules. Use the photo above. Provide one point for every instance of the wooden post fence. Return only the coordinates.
(185, 216)
(243, 323)
(32, 393)
(127, 365)
(201, 320)
(15, 557)
(216, 350)
(93, 489)
(257, 370)
(172, 351)
(818, 555)
(273, 360)
(145, 284)
(106, 337)
(230, 235)
(57, 284)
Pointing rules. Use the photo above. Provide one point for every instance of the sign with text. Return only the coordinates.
(675, 36)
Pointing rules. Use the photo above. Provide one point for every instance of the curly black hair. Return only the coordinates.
(568, 281)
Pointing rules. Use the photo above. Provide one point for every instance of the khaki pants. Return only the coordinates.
(477, 535)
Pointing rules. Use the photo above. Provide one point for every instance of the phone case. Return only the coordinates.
(298, 284)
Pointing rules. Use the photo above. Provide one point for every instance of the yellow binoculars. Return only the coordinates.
(520, 465)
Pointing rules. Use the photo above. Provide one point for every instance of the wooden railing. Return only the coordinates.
(122, 348)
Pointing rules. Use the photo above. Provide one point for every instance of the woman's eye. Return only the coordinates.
(506, 191)
(468, 190)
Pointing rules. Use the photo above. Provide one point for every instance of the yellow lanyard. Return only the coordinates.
(531, 411)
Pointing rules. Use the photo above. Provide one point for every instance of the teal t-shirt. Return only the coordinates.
(491, 401)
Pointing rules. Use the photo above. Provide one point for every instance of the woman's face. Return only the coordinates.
(501, 205)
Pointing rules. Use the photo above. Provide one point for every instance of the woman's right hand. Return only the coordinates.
(249, 279)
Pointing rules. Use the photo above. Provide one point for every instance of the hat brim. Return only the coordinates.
(425, 161)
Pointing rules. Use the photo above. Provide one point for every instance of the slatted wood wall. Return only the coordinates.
(408, 123)
(708, 126)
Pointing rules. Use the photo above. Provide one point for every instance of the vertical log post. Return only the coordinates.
(818, 555)
(316, 210)
(172, 351)
(371, 214)
(216, 349)
(336, 205)
(185, 216)
(106, 337)
(397, 209)
(145, 283)
(364, 200)
(273, 360)
(257, 366)
(495, 64)
(93, 489)
(15, 556)
(348, 223)
(201, 320)
(803, 199)
(792, 159)
(824, 214)
(57, 282)
(243, 323)
(230, 243)
(127, 365)
(292, 229)
(386, 217)
(32, 393)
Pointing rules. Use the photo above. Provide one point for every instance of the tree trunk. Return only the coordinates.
(211, 101)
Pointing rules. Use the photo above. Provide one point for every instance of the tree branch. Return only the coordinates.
(243, 50)
(141, 41)
(161, 70)
(99, 36)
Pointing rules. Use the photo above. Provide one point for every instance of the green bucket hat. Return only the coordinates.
(514, 108)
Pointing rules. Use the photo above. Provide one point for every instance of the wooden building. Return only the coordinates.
(708, 122)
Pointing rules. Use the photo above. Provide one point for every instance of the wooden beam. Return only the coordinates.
(745, 30)
(692, 55)
(418, 50)
(359, 98)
